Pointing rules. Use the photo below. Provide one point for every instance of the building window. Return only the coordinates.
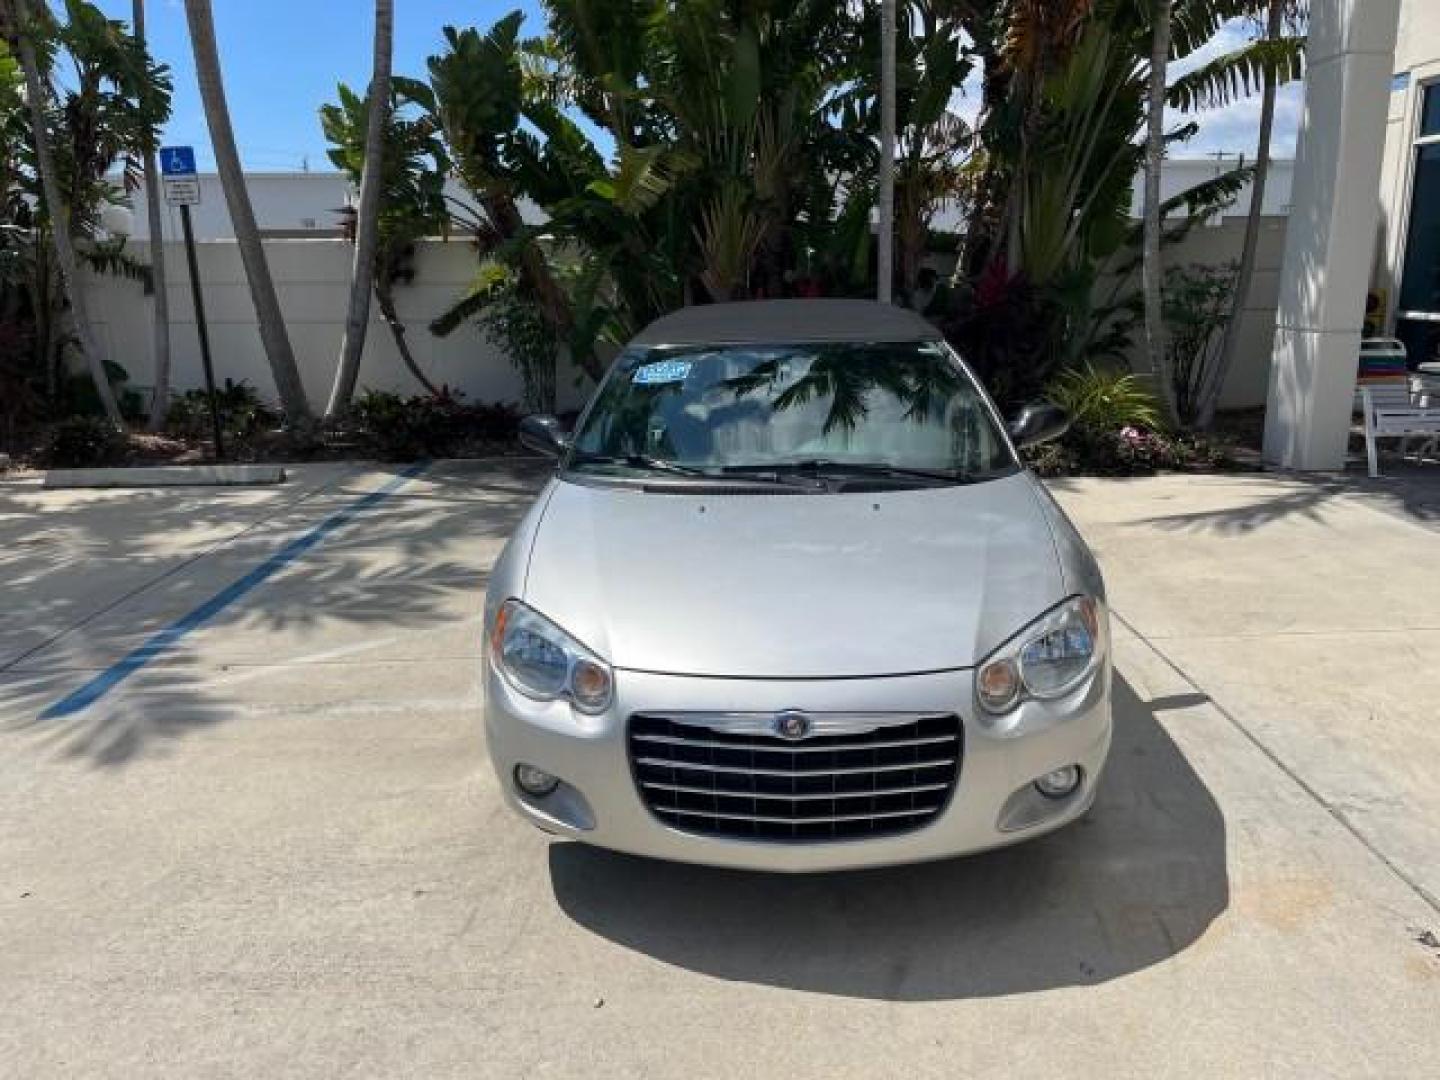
(1430, 114)
(1418, 311)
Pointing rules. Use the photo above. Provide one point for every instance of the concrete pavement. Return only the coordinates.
(1310, 612)
(277, 848)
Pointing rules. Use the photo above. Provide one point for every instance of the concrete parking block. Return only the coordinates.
(166, 476)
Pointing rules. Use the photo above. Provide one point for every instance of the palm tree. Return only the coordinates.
(412, 198)
(933, 143)
(1151, 272)
(1230, 344)
(367, 222)
(886, 240)
(160, 312)
(66, 265)
(478, 85)
(242, 215)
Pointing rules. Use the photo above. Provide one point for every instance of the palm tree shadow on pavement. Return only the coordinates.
(1138, 880)
(416, 564)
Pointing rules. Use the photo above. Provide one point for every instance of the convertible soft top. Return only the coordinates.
(774, 322)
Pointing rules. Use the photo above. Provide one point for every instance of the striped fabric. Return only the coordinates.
(1382, 360)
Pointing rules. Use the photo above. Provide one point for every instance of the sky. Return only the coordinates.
(1235, 129)
(281, 60)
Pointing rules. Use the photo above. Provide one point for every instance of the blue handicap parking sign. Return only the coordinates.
(177, 160)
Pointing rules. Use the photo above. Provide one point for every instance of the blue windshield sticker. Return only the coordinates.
(662, 371)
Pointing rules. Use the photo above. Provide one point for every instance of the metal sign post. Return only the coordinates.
(182, 189)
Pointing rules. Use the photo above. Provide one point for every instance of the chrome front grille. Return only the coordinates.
(852, 776)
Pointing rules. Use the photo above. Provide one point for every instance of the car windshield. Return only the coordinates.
(880, 408)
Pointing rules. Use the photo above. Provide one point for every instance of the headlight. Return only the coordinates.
(1047, 659)
(542, 661)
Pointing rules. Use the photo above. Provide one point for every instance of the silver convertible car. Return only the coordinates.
(791, 602)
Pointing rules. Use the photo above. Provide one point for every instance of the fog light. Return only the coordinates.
(533, 781)
(1059, 783)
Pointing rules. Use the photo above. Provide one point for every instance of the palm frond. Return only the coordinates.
(642, 177)
(1239, 74)
(1195, 22)
(728, 233)
(1198, 203)
(109, 257)
(1207, 197)
(479, 294)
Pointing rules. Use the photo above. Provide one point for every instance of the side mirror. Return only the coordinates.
(1038, 423)
(545, 435)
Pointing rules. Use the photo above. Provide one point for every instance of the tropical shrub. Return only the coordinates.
(1116, 430)
(1104, 400)
(396, 428)
(744, 164)
(20, 396)
(106, 101)
(83, 442)
(77, 394)
(404, 429)
(1197, 304)
(189, 415)
(514, 321)
(243, 414)
(1130, 451)
(998, 323)
(497, 422)
(1127, 452)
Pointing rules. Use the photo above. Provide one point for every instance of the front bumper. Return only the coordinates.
(993, 803)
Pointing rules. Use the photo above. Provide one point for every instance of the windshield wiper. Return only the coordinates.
(823, 466)
(764, 476)
(639, 461)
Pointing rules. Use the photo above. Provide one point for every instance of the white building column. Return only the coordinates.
(1330, 238)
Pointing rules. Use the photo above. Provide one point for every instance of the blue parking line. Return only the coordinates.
(166, 639)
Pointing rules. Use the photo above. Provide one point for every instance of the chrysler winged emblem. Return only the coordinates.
(791, 724)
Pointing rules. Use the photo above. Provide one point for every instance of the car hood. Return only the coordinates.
(794, 586)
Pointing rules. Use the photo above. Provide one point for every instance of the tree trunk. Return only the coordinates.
(242, 215)
(66, 264)
(1245, 275)
(397, 331)
(1151, 273)
(54, 335)
(885, 229)
(912, 226)
(46, 319)
(160, 308)
(367, 223)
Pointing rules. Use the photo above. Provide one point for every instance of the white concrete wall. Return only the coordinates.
(1248, 380)
(312, 277)
(284, 202)
(304, 202)
(313, 280)
(295, 201)
(1182, 174)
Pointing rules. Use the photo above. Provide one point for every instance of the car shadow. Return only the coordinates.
(1135, 882)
